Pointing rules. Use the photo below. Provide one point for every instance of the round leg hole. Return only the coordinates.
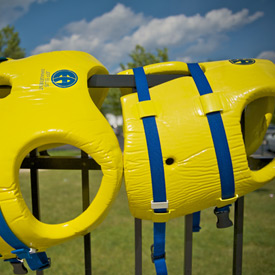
(61, 189)
(169, 161)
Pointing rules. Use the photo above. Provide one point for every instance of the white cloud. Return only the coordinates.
(13, 9)
(267, 55)
(101, 36)
(186, 59)
(113, 35)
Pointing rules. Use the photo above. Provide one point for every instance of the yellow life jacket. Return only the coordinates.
(50, 103)
(192, 179)
(184, 149)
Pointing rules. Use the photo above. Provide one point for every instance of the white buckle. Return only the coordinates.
(32, 250)
(159, 205)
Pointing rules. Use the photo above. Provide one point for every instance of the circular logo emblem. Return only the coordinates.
(247, 61)
(64, 78)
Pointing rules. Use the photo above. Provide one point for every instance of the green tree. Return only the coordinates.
(112, 102)
(141, 58)
(9, 43)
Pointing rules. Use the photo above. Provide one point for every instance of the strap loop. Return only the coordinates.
(222, 202)
(211, 103)
(146, 108)
(160, 217)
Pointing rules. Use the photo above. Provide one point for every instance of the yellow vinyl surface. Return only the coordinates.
(193, 181)
(40, 113)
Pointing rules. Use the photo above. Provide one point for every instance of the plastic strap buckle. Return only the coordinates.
(153, 258)
(18, 266)
(36, 261)
(223, 220)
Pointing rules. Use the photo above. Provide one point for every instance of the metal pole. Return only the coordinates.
(35, 191)
(34, 185)
(238, 223)
(238, 237)
(138, 246)
(188, 244)
(85, 205)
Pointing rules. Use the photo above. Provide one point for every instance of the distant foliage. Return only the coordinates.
(141, 58)
(10, 43)
(112, 102)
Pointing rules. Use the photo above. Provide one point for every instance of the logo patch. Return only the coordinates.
(247, 61)
(64, 78)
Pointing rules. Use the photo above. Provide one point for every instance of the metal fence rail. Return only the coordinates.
(34, 162)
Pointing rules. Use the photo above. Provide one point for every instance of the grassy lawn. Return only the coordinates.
(113, 240)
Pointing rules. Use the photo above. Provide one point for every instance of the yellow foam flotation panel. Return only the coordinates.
(50, 103)
(192, 176)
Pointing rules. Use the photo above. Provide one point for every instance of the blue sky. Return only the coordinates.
(196, 30)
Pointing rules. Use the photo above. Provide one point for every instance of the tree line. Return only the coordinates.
(10, 47)
(10, 43)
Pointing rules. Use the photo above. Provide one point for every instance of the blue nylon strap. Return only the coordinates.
(218, 136)
(8, 236)
(152, 139)
(36, 261)
(196, 221)
(159, 248)
(157, 171)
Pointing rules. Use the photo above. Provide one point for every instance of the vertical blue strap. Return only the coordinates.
(36, 261)
(218, 135)
(157, 171)
(8, 236)
(196, 221)
(158, 256)
(152, 139)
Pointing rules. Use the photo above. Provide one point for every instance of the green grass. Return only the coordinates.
(113, 240)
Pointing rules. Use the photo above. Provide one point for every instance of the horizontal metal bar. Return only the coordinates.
(128, 81)
(5, 87)
(60, 163)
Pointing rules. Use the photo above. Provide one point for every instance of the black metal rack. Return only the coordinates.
(37, 161)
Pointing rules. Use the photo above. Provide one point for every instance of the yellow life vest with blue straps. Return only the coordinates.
(49, 103)
(184, 149)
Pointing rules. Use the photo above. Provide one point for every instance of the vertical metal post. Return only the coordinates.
(85, 205)
(238, 223)
(35, 191)
(238, 237)
(34, 185)
(188, 244)
(138, 246)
